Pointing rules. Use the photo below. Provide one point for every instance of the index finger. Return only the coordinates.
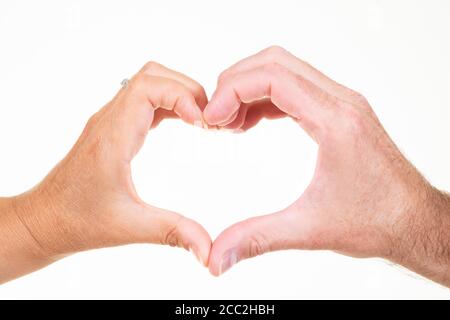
(291, 93)
(276, 54)
(155, 69)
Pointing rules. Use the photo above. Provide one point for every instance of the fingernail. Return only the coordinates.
(228, 260)
(213, 128)
(205, 125)
(197, 256)
(201, 123)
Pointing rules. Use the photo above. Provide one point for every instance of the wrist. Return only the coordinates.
(19, 250)
(29, 218)
(423, 245)
(39, 215)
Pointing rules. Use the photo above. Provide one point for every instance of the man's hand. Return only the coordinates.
(365, 200)
(88, 200)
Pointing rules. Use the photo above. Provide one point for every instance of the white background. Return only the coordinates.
(60, 61)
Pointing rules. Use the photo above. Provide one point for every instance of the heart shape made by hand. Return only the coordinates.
(97, 204)
(274, 84)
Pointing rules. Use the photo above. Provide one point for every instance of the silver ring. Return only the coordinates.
(124, 83)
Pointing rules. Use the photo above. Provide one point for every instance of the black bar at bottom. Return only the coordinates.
(217, 309)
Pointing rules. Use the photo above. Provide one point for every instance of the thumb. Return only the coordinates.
(256, 236)
(155, 225)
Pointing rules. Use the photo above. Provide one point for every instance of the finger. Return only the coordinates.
(292, 94)
(154, 225)
(160, 115)
(276, 54)
(133, 111)
(251, 114)
(156, 69)
(257, 236)
(239, 118)
(230, 119)
(165, 93)
(256, 115)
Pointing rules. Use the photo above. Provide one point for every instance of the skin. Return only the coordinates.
(365, 199)
(88, 200)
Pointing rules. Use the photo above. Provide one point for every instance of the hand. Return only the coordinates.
(88, 200)
(365, 199)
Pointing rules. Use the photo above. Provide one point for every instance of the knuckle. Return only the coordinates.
(172, 234)
(185, 98)
(92, 123)
(354, 119)
(257, 245)
(139, 78)
(274, 52)
(151, 66)
(198, 89)
(358, 98)
(181, 92)
(139, 81)
(171, 237)
(223, 76)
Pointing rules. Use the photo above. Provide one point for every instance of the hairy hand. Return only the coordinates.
(365, 198)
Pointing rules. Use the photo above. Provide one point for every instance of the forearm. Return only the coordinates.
(20, 253)
(425, 246)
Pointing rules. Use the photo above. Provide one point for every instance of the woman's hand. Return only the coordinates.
(88, 200)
